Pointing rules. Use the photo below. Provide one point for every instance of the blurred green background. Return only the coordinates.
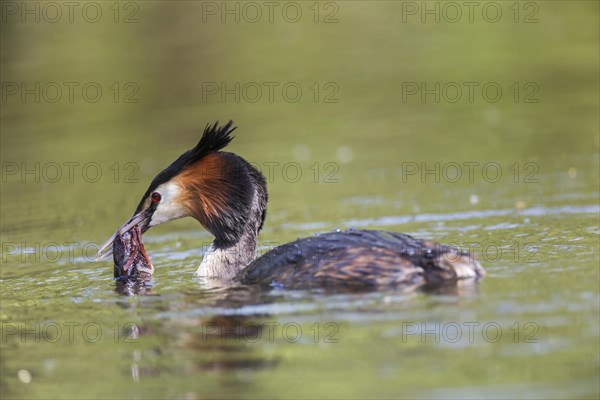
(378, 98)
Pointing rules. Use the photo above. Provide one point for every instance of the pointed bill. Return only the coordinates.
(141, 219)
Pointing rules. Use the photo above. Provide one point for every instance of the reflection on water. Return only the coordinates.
(134, 286)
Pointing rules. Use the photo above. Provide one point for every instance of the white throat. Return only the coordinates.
(226, 263)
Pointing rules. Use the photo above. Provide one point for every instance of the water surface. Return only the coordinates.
(516, 181)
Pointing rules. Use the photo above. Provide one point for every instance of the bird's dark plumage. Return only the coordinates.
(359, 258)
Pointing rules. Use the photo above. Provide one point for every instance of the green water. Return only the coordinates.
(517, 182)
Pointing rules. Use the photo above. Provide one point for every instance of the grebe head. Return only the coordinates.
(220, 190)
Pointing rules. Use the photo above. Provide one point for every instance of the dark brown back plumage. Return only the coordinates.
(359, 259)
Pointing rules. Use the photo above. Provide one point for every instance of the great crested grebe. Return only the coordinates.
(228, 196)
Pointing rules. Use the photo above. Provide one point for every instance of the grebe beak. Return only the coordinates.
(141, 220)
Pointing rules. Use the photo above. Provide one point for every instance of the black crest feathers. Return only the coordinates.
(213, 139)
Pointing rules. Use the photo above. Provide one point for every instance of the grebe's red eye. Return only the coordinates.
(156, 197)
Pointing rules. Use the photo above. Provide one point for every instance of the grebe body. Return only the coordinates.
(359, 258)
(228, 196)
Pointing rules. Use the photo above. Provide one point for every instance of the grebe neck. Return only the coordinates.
(225, 262)
(226, 257)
